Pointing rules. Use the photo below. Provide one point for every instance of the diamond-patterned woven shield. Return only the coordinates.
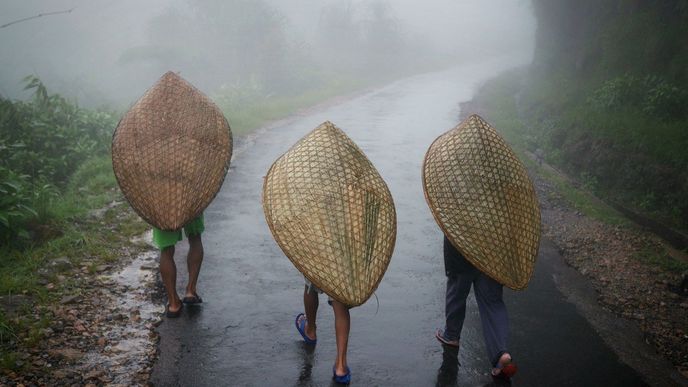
(171, 152)
(332, 214)
(482, 198)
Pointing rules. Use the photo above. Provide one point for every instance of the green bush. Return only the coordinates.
(43, 141)
(49, 136)
(15, 205)
(665, 100)
(651, 94)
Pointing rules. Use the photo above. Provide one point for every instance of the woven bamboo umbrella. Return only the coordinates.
(171, 152)
(332, 214)
(484, 201)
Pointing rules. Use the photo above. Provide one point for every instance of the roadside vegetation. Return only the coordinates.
(628, 157)
(45, 142)
(607, 103)
(55, 171)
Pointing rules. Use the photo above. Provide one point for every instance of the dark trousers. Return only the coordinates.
(493, 314)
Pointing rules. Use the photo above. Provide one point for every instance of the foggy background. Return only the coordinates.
(106, 53)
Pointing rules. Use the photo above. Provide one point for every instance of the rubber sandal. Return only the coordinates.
(439, 335)
(301, 327)
(192, 300)
(170, 314)
(343, 379)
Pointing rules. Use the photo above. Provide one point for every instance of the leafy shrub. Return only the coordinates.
(651, 94)
(15, 201)
(589, 181)
(50, 135)
(664, 100)
(43, 141)
(617, 92)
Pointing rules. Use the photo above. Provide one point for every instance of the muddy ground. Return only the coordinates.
(100, 332)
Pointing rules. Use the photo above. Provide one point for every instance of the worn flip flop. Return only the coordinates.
(341, 379)
(170, 314)
(192, 300)
(300, 323)
(439, 335)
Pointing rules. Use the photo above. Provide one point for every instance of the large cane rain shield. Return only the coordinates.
(332, 214)
(482, 198)
(171, 153)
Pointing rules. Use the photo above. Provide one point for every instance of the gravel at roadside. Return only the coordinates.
(101, 334)
(632, 289)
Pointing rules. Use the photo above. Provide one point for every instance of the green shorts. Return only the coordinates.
(163, 239)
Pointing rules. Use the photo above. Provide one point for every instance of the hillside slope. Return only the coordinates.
(606, 100)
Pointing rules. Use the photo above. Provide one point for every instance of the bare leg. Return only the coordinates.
(310, 304)
(342, 323)
(194, 259)
(168, 272)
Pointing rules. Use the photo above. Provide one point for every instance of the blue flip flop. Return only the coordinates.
(343, 379)
(301, 327)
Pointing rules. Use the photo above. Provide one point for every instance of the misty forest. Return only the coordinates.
(591, 97)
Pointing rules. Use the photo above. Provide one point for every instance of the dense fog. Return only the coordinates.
(105, 53)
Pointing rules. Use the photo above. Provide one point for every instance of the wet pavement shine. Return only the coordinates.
(243, 334)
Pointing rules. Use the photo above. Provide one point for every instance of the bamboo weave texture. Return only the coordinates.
(171, 152)
(332, 214)
(482, 198)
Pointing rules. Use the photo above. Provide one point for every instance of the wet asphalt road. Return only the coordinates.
(243, 334)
